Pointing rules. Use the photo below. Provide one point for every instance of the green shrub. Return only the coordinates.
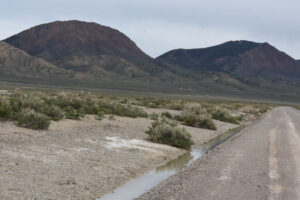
(176, 105)
(100, 115)
(70, 100)
(260, 109)
(263, 109)
(122, 110)
(124, 101)
(196, 117)
(111, 117)
(241, 117)
(152, 102)
(71, 113)
(165, 132)
(16, 104)
(297, 107)
(90, 107)
(6, 111)
(21, 101)
(154, 116)
(167, 115)
(53, 111)
(198, 121)
(222, 115)
(30, 119)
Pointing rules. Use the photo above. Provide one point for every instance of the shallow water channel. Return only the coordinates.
(136, 187)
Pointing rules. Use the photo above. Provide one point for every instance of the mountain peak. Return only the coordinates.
(87, 47)
(191, 58)
(240, 42)
(58, 39)
(74, 24)
(233, 57)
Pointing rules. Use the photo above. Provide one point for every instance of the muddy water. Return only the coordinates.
(136, 187)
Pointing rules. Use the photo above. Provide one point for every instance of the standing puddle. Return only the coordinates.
(136, 187)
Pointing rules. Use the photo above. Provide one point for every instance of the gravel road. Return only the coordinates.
(261, 162)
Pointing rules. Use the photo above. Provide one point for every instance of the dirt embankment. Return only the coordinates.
(81, 159)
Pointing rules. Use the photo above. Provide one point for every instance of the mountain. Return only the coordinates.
(255, 64)
(56, 40)
(98, 51)
(88, 55)
(231, 56)
(15, 63)
(203, 59)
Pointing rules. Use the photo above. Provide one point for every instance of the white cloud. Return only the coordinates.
(159, 37)
(157, 26)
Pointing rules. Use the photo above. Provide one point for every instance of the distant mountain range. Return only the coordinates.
(89, 54)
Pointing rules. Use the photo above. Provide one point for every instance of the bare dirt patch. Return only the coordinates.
(81, 159)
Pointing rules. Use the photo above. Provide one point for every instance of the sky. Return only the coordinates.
(158, 26)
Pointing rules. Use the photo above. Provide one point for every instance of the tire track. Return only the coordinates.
(275, 187)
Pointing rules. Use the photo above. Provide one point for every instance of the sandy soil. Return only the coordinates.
(81, 159)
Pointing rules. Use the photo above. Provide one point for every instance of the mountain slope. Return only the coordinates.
(100, 51)
(17, 63)
(252, 63)
(252, 56)
(203, 59)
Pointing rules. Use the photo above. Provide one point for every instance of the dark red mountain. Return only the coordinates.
(84, 47)
(247, 61)
(58, 39)
(231, 56)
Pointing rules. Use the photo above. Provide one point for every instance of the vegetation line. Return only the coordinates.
(36, 109)
(212, 143)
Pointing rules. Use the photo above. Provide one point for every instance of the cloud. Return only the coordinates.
(159, 37)
(157, 26)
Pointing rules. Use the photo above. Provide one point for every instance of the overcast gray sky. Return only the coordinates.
(158, 26)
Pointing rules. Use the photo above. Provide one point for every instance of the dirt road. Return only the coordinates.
(262, 162)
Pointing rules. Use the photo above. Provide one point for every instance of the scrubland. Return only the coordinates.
(82, 145)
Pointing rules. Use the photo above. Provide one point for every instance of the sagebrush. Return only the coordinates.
(197, 117)
(165, 132)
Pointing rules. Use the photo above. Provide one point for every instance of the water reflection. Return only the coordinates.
(135, 188)
(177, 164)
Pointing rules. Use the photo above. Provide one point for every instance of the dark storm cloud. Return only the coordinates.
(160, 25)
